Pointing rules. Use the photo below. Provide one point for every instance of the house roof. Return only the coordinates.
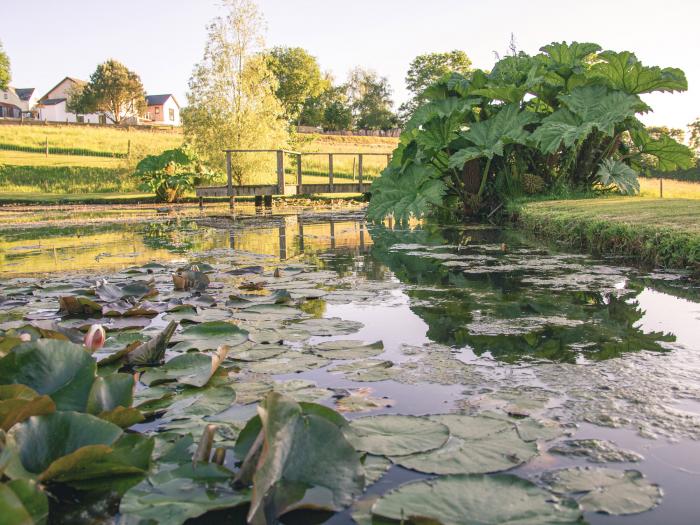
(24, 93)
(52, 101)
(72, 79)
(159, 100)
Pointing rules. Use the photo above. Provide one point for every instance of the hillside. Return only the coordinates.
(99, 163)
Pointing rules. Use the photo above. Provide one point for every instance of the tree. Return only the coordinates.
(330, 110)
(427, 69)
(370, 100)
(298, 78)
(114, 90)
(231, 99)
(4, 68)
(694, 139)
(675, 133)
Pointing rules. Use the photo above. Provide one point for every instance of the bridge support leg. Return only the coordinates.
(231, 202)
(258, 201)
(201, 203)
(268, 201)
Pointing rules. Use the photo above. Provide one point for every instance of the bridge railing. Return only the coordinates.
(281, 186)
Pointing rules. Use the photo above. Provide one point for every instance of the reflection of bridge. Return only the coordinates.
(282, 188)
(295, 235)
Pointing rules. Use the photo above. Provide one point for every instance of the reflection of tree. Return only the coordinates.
(500, 314)
(174, 236)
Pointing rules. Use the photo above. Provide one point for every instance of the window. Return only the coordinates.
(171, 114)
(80, 119)
(157, 110)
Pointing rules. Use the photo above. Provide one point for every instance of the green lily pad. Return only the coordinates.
(348, 349)
(477, 445)
(605, 490)
(360, 400)
(209, 336)
(268, 312)
(71, 447)
(23, 503)
(173, 497)
(369, 370)
(595, 450)
(258, 352)
(288, 363)
(78, 305)
(328, 326)
(375, 468)
(138, 290)
(470, 499)
(187, 369)
(303, 454)
(109, 392)
(19, 402)
(392, 435)
(149, 353)
(60, 369)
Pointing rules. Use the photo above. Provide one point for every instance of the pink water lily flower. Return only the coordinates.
(95, 337)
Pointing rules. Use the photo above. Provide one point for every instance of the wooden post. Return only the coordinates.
(201, 202)
(280, 172)
(300, 221)
(283, 242)
(661, 187)
(258, 201)
(359, 171)
(330, 172)
(332, 225)
(388, 158)
(128, 149)
(47, 145)
(231, 202)
(300, 188)
(229, 175)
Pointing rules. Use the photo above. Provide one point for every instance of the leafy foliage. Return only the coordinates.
(113, 90)
(4, 69)
(172, 173)
(558, 115)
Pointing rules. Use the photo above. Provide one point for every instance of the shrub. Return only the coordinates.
(172, 173)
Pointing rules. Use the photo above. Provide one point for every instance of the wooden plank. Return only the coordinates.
(280, 172)
(250, 191)
(359, 171)
(330, 173)
(299, 175)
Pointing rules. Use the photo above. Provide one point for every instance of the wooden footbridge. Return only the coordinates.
(282, 187)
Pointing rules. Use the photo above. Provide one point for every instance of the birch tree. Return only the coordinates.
(231, 99)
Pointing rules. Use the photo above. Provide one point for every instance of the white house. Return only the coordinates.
(17, 102)
(162, 109)
(52, 106)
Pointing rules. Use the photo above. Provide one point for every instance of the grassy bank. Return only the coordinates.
(647, 231)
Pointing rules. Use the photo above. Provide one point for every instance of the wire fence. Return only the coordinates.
(47, 149)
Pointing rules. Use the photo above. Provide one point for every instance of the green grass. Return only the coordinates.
(655, 232)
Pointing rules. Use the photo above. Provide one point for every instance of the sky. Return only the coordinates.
(162, 39)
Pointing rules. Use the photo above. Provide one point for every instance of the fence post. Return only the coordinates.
(280, 172)
(128, 149)
(388, 158)
(359, 171)
(330, 172)
(229, 175)
(299, 176)
(661, 187)
(47, 145)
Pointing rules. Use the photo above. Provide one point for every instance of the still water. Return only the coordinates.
(474, 318)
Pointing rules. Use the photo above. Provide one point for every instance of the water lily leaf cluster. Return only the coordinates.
(566, 117)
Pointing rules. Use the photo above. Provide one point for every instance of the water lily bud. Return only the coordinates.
(95, 338)
(25, 338)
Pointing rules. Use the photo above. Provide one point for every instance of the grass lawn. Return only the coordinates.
(660, 232)
(674, 189)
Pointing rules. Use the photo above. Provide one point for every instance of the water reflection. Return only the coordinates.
(521, 311)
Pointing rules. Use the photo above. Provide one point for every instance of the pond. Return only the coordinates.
(603, 359)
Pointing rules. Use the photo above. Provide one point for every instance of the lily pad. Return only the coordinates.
(187, 369)
(479, 450)
(348, 349)
(23, 503)
(369, 370)
(361, 400)
(605, 490)
(329, 326)
(595, 450)
(60, 369)
(393, 435)
(209, 336)
(258, 352)
(469, 499)
(19, 402)
(288, 363)
(174, 496)
(303, 454)
(109, 392)
(375, 468)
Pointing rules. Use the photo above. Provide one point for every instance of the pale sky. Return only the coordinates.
(162, 39)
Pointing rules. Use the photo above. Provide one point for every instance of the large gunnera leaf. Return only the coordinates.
(75, 448)
(407, 194)
(62, 370)
(475, 499)
(670, 155)
(304, 455)
(624, 71)
(616, 173)
(391, 435)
